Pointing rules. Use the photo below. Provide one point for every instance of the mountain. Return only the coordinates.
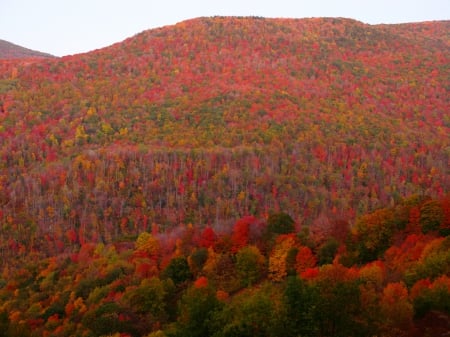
(229, 176)
(216, 118)
(9, 50)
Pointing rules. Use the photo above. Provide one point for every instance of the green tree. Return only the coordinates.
(250, 264)
(327, 251)
(178, 270)
(197, 260)
(105, 320)
(148, 298)
(338, 307)
(300, 300)
(255, 312)
(280, 223)
(431, 216)
(196, 310)
(372, 235)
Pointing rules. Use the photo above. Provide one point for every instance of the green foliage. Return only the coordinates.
(197, 309)
(338, 308)
(178, 270)
(250, 265)
(372, 234)
(300, 300)
(437, 299)
(431, 216)
(327, 251)
(149, 297)
(435, 261)
(252, 313)
(85, 286)
(4, 323)
(7, 85)
(280, 223)
(197, 259)
(104, 320)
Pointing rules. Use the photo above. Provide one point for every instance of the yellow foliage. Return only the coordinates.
(211, 263)
(146, 242)
(80, 133)
(278, 258)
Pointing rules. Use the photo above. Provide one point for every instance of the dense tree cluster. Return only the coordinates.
(189, 282)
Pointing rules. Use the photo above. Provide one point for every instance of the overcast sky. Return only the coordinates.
(63, 27)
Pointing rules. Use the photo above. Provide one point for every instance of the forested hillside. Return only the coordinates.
(10, 50)
(131, 166)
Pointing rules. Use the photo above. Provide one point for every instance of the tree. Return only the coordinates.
(240, 236)
(148, 298)
(304, 259)
(431, 216)
(250, 265)
(207, 238)
(396, 309)
(278, 260)
(146, 305)
(197, 308)
(254, 312)
(104, 320)
(178, 270)
(337, 285)
(328, 251)
(300, 300)
(148, 245)
(280, 223)
(197, 260)
(429, 296)
(372, 235)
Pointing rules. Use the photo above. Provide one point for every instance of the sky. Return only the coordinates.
(65, 27)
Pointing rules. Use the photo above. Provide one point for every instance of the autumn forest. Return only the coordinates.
(229, 176)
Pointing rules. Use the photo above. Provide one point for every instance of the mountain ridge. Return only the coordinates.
(9, 50)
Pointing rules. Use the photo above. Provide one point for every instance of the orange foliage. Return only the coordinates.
(222, 295)
(201, 282)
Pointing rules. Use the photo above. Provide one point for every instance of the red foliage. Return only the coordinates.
(201, 282)
(71, 235)
(240, 235)
(304, 260)
(419, 287)
(207, 238)
(310, 273)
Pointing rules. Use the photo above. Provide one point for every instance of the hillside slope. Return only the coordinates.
(10, 50)
(215, 118)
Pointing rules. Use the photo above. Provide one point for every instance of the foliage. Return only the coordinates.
(178, 270)
(250, 265)
(156, 187)
(101, 290)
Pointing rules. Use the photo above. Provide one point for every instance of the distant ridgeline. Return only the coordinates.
(9, 50)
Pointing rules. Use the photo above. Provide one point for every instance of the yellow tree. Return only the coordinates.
(278, 264)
